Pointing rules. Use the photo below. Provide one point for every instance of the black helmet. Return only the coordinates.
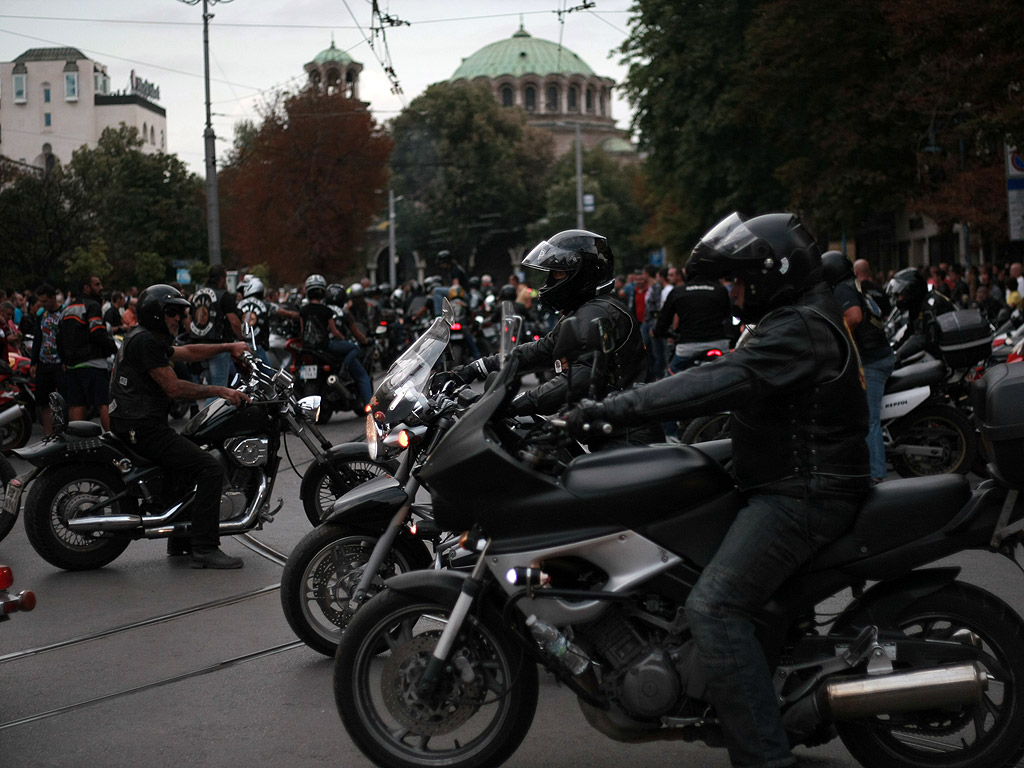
(335, 294)
(474, 283)
(316, 286)
(908, 289)
(587, 261)
(774, 255)
(154, 301)
(836, 267)
(507, 293)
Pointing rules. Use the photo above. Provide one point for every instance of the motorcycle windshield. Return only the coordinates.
(408, 378)
(511, 327)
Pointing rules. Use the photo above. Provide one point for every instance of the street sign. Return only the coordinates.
(588, 203)
(182, 276)
(1015, 192)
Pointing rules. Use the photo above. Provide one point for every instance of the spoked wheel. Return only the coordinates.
(938, 427)
(479, 712)
(989, 734)
(62, 494)
(320, 489)
(16, 434)
(323, 572)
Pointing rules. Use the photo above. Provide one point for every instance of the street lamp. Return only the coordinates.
(212, 205)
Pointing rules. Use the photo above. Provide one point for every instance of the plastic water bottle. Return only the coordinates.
(558, 645)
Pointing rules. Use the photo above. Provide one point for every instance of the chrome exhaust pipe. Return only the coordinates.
(852, 698)
(13, 413)
(99, 523)
(334, 382)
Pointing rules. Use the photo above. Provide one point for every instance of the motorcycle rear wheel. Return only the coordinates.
(16, 434)
(987, 735)
(466, 723)
(324, 569)
(320, 490)
(7, 520)
(66, 490)
(705, 428)
(935, 426)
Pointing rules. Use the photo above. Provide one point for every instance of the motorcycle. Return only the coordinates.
(586, 573)
(23, 601)
(321, 373)
(378, 529)
(17, 403)
(90, 494)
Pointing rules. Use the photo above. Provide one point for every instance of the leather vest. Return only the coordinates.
(135, 396)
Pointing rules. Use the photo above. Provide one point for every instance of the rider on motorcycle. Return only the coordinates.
(580, 268)
(799, 422)
(142, 385)
(256, 313)
(910, 293)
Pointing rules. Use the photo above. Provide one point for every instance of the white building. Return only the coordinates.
(54, 100)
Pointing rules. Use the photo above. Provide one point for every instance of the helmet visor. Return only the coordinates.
(729, 236)
(547, 257)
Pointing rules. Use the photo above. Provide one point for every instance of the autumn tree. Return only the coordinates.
(472, 173)
(303, 186)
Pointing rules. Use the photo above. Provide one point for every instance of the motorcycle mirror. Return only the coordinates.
(600, 335)
(447, 312)
(310, 406)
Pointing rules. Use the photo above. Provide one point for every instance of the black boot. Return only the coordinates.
(178, 545)
(212, 557)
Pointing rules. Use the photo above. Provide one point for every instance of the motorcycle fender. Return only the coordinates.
(437, 586)
(380, 496)
(346, 450)
(885, 601)
(899, 404)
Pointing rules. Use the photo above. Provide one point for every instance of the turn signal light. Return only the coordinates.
(6, 577)
(403, 439)
(456, 326)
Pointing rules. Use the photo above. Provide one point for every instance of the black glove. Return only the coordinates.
(580, 420)
(470, 372)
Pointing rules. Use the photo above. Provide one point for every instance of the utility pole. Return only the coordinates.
(392, 255)
(209, 141)
(579, 179)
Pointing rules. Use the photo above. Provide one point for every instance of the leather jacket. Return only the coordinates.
(796, 393)
(627, 363)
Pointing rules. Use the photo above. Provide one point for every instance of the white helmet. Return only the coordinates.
(356, 289)
(252, 286)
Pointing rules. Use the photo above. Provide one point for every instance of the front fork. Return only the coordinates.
(470, 589)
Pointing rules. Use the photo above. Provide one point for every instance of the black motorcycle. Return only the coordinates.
(90, 494)
(586, 572)
(318, 372)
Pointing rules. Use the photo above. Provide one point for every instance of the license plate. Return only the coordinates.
(456, 337)
(309, 371)
(12, 498)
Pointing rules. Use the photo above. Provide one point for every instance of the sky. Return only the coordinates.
(258, 47)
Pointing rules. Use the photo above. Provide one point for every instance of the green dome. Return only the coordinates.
(521, 55)
(332, 54)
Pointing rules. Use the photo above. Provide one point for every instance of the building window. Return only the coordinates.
(20, 89)
(145, 135)
(70, 86)
(152, 135)
(101, 83)
(161, 138)
(551, 103)
(46, 119)
(46, 93)
(530, 98)
(574, 99)
(590, 101)
(506, 96)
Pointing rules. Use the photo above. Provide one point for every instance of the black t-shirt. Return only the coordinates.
(704, 311)
(113, 317)
(869, 335)
(135, 396)
(316, 319)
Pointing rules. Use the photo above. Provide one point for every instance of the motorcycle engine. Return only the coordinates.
(643, 677)
(248, 451)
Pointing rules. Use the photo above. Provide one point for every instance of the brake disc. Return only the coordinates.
(448, 708)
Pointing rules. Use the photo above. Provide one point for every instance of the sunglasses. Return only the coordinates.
(175, 312)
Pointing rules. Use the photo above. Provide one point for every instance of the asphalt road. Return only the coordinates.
(149, 663)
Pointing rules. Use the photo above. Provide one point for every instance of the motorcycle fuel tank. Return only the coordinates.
(220, 420)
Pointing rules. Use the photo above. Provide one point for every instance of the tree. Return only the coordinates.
(472, 173)
(304, 186)
(87, 261)
(139, 202)
(150, 268)
(619, 211)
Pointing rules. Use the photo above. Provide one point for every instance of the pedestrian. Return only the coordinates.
(84, 346)
(215, 321)
(10, 336)
(112, 317)
(47, 369)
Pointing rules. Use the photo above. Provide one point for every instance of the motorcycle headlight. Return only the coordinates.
(372, 437)
(310, 407)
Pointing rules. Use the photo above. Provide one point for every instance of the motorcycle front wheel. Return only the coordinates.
(320, 489)
(62, 493)
(704, 428)
(479, 712)
(940, 427)
(324, 570)
(989, 734)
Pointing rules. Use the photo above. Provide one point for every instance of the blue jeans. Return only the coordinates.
(218, 372)
(770, 538)
(348, 352)
(875, 376)
(655, 349)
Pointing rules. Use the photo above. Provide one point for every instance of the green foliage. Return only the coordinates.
(150, 268)
(87, 261)
(199, 271)
(261, 270)
(472, 173)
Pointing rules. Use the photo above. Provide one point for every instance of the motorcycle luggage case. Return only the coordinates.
(999, 412)
(965, 338)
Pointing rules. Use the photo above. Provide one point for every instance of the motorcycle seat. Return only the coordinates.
(916, 375)
(84, 429)
(895, 513)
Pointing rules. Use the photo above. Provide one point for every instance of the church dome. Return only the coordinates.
(327, 55)
(521, 55)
